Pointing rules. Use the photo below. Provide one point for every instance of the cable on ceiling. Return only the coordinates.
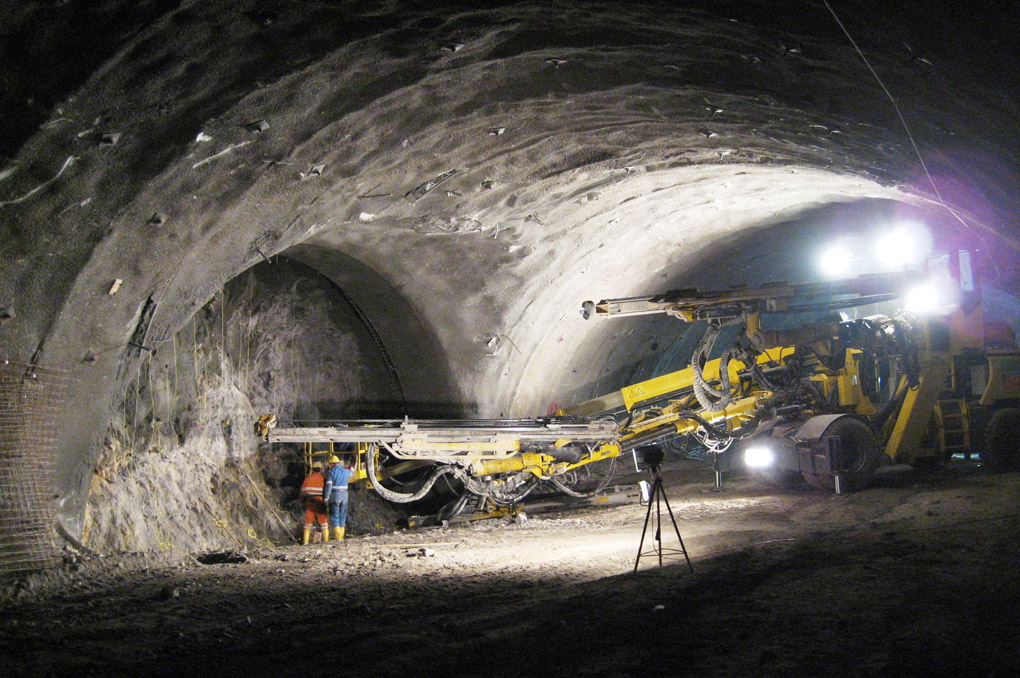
(913, 143)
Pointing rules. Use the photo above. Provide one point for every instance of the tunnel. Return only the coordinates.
(357, 210)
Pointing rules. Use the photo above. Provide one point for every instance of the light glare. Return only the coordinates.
(835, 262)
(922, 299)
(935, 296)
(906, 245)
(758, 456)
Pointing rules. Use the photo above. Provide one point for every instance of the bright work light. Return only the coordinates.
(906, 245)
(922, 300)
(758, 456)
(935, 296)
(835, 262)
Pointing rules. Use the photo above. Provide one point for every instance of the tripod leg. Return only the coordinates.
(681, 539)
(658, 517)
(648, 514)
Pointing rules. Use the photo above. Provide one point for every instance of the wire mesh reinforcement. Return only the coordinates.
(31, 399)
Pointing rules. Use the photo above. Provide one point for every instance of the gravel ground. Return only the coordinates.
(914, 576)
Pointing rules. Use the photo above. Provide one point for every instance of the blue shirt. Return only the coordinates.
(337, 478)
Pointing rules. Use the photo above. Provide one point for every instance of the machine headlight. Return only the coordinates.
(936, 296)
(922, 300)
(759, 456)
(904, 246)
(835, 262)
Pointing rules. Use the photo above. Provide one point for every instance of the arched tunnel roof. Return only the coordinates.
(468, 176)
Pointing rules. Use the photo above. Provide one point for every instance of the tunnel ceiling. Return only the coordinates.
(467, 176)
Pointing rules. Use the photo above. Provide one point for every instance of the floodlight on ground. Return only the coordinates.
(759, 456)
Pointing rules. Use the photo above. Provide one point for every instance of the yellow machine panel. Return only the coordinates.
(1003, 379)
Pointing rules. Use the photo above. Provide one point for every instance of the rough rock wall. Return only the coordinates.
(181, 466)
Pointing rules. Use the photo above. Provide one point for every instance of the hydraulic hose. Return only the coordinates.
(400, 497)
(751, 360)
(879, 419)
(454, 508)
(555, 482)
(491, 490)
(656, 436)
(710, 398)
(569, 492)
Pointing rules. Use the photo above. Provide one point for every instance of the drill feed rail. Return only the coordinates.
(442, 438)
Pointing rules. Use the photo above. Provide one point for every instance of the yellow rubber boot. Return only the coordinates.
(325, 535)
(306, 536)
(338, 533)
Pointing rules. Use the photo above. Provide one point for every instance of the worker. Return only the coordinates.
(315, 507)
(335, 494)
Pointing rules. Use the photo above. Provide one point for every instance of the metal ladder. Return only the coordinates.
(953, 420)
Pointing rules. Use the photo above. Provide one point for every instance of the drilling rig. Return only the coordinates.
(827, 402)
(499, 461)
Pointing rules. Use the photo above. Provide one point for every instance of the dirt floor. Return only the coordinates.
(916, 576)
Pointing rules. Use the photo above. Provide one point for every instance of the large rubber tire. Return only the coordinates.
(1001, 452)
(861, 451)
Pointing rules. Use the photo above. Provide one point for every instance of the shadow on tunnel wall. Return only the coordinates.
(35, 40)
(411, 356)
(787, 251)
(279, 338)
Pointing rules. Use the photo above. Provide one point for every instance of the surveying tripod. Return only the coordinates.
(653, 457)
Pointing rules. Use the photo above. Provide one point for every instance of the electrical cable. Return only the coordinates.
(913, 143)
(373, 333)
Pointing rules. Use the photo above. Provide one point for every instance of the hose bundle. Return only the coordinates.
(400, 497)
(710, 398)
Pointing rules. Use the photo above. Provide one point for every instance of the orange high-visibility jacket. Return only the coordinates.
(311, 489)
